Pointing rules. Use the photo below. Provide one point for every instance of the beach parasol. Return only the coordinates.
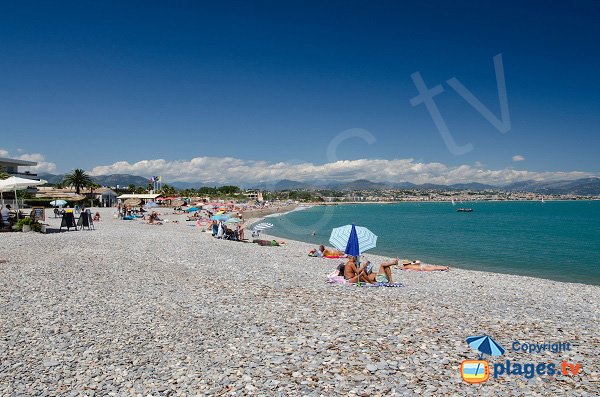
(353, 240)
(233, 220)
(192, 209)
(132, 202)
(15, 183)
(220, 217)
(260, 227)
(58, 203)
(485, 345)
(177, 203)
(151, 204)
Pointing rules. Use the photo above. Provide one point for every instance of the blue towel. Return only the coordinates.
(389, 285)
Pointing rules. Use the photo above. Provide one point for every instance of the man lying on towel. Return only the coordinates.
(322, 252)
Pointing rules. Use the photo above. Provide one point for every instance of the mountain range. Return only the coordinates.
(584, 186)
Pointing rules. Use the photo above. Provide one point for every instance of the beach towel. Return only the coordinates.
(335, 279)
(389, 285)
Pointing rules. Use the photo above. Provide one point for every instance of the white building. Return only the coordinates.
(11, 167)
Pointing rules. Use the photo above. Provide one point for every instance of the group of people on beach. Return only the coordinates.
(354, 271)
(221, 231)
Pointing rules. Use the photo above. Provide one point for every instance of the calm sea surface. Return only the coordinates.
(558, 240)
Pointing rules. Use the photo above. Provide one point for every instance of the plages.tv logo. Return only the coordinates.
(479, 371)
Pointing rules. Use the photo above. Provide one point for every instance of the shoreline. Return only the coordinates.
(261, 213)
(450, 201)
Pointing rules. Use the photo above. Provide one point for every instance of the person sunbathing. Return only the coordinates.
(422, 267)
(352, 273)
(96, 217)
(322, 252)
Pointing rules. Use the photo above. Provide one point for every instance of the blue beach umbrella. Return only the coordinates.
(221, 217)
(352, 245)
(192, 209)
(353, 240)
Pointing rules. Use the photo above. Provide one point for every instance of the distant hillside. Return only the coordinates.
(584, 187)
(52, 178)
(286, 184)
(123, 180)
(360, 184)
(473, 186)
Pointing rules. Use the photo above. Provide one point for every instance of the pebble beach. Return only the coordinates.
(132, 309)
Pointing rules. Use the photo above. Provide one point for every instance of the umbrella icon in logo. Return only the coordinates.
(477, 371)
(485, 345)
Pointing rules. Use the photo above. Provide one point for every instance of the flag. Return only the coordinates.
(160, 178)
(151, 179)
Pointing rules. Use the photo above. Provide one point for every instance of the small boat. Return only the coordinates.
(464, 210)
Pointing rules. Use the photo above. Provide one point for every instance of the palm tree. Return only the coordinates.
(78, 179)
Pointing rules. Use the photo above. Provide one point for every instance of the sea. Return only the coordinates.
(557, 240)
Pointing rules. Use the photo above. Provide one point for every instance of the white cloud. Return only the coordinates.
(518, 157)
(42, 166)
(221, 170)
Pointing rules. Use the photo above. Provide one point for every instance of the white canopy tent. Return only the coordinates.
(15, 183)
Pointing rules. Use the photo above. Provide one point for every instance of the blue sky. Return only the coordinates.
(91, 84)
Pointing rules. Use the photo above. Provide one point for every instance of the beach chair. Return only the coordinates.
(4, 226)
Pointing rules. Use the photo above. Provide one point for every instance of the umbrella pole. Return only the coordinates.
(16, 200)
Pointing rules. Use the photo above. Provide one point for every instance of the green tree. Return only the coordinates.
(131, 188)
(78, 179)
(207, 191)
(3, 174)
(167, 190)
(229, 189)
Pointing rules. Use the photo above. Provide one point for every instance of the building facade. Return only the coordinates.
(11, 166)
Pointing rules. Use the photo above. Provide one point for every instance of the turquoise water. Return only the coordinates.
(558, 240)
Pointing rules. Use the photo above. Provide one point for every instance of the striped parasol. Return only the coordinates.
(263, 226)
(340, 236)
(132, 202)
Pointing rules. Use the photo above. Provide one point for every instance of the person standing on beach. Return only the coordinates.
(5, 213)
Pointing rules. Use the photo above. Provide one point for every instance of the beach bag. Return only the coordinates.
(335, 278)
